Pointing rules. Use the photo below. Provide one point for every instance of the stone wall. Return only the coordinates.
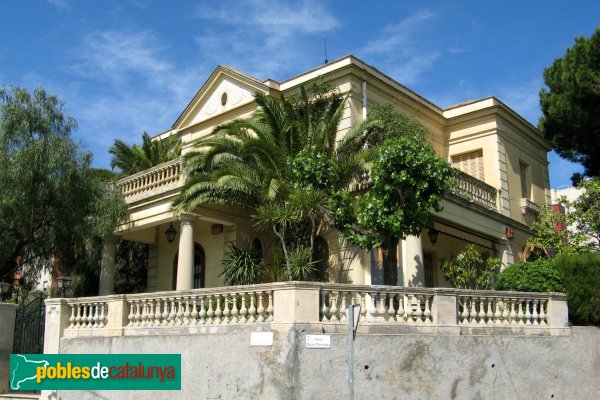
(387, 366)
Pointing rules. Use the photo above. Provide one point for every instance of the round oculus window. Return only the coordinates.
(224, 98)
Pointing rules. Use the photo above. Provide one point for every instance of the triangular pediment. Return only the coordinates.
(224, 90)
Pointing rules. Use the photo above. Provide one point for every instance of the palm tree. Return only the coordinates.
(283, 163)
(132, 159)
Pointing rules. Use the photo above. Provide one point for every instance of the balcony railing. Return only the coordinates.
(155, 180)
(528, 205)
(475, 190)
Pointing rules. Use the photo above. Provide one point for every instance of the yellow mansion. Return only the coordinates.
(503, 181)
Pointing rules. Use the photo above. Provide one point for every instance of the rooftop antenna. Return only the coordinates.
(325, 43)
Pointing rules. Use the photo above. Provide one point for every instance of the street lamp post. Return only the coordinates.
(4, 289)
(63, 281)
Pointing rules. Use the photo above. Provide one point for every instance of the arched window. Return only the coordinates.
(199, 267)
(257, 246)
(321, 254)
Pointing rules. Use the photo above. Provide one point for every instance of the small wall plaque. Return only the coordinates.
(318, 341)
(261, 339)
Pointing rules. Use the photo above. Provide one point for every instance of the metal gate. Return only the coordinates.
(29, 326)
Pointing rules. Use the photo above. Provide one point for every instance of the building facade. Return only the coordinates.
(503, 181)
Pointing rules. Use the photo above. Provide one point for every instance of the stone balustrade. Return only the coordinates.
(200, 307)
(475, 190)
(87, 314)
(155, 180)
(378, 304)
(427, 310)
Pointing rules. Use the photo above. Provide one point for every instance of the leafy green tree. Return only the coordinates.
(53, 204)
(470, 270)
(587, 210)
(407, 182)
(131, 159)
(550, 236)
(571, 103)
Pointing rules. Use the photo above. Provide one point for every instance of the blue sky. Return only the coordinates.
(128, 66)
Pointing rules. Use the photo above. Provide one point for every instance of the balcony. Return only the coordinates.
(475, 190)
(151, 182)
(528, 205)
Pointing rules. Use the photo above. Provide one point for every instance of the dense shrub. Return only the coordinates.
(581, 277)
(537, 276)
(243, 266)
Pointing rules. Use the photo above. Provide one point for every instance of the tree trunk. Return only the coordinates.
(390, 261)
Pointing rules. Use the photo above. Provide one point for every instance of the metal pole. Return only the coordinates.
(350, 316)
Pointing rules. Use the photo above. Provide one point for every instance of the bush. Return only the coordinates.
(243, 266)
(537, 276)
(581, 277)
(471, 270)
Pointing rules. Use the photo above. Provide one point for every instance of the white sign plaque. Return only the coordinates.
(318, 341)
(261, 339)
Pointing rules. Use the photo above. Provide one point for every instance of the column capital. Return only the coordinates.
(188, 218)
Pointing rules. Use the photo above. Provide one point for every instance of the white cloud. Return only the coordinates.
(61, 4)
(132, 86)
(402, 48)
(263, 38)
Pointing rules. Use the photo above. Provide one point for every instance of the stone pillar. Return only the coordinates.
(296, 302)
(414, 271)
(7, 333)
(185, 260)
(58, 313)
(107, 269)
(444, 312)
(507, 254)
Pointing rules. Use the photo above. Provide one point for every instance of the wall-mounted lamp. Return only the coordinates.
(433, 235)
(170, 233)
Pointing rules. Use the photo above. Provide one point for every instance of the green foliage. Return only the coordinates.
(581, 277)
(408, 181)
(470, 270)
(571, 103)
(301, 267)
(283, 163)
(53, 204)
(537, 276)
(131, 159)
(243, 266)
(587, 210)
(131, 267)
(551, 240)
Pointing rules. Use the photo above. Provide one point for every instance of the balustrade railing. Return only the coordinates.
(199, 307)
(503, 309)
(475, 190)
(155, 179)
(426, 309)
(88, 314)
(378, 304)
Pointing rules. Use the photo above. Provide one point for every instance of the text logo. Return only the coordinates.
(95, 371)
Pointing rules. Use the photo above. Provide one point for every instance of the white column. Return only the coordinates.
(185, 260)
(506, 254)
(414, 271)
(107, 268)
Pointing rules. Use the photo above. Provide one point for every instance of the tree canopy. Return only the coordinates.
(408, 181)
(53, 203)
(571, 104)
(283, 162)
(131, 159)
